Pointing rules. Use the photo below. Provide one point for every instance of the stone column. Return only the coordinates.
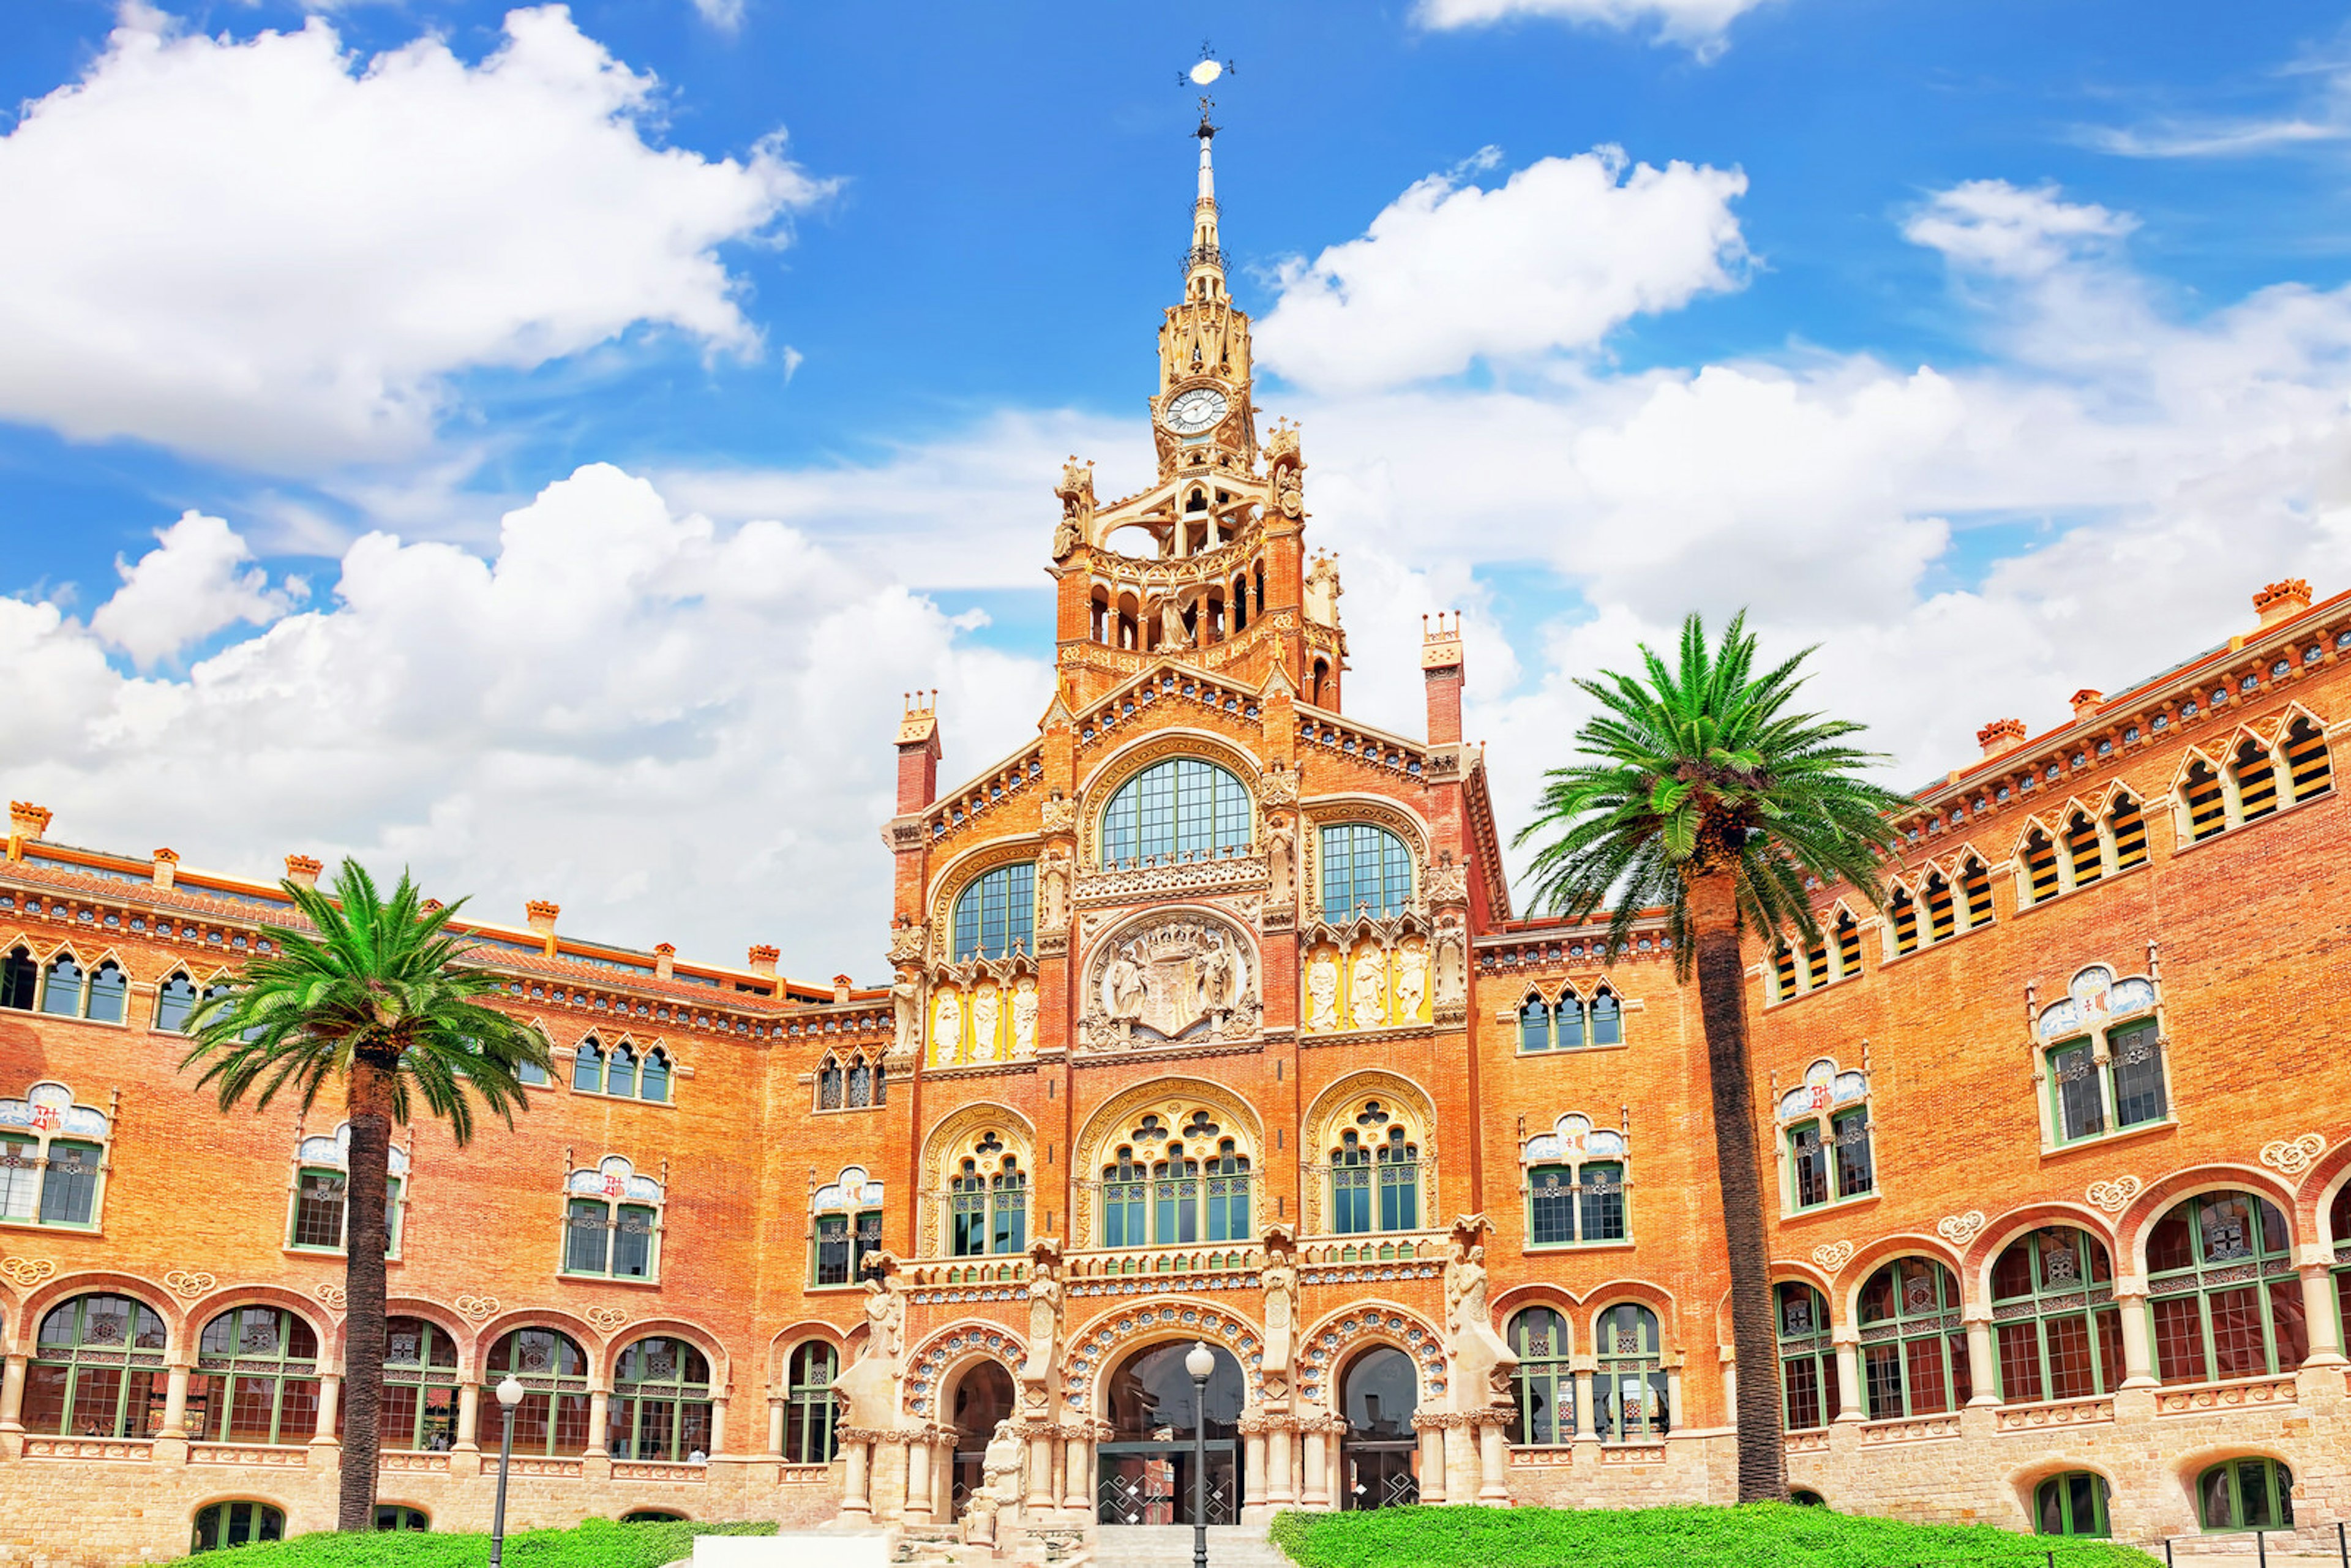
(1493, 1480)
(717, 1427)
(1336, 1457)
(1431, 1427)
(1253, 1435)
(1982, 1360)
(2139, 1357)
(1674, 1399)
(1317, 1491)
(2318, 1310)
(469, 1416)
(775, 1428)
(1077, 1469)
(1848, 1354)
(12, 1398)
(175, 1400)
(919, 1468)
(1281, 1447)
(1041, 1495)
(1461, 1462)
(599, 1423)
(330, 1392)
(856, 1449)
(1581, 1371)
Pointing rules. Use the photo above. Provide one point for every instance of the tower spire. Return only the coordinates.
(1204, 264)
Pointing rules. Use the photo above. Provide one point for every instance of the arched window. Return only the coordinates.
(1783, 969)
(420, 1386)
(52, 1158)
(620, 1071)
(2084, 850)
(398, 1516)
(1575, 1184)
(1804, 1497)
(175, 1001)
(19, 980)
(659, 1406)
(2307, 762)
(61, 987)
(109, 991)
(97, 1370)
(1365, 869)
(2060, 1332)
(1374, 1176)
(811, 1413)
(1914, 1349)
(2207, 807)
(1942, 921)
(1808, 1364)
(848, 1214)
(987, 1202)
(321, 1193)
(1543, 1390)
(996, 914)
(1182, 808)
(2129, 827)
(1534, 1025)
(1817, 963)
(223, 1524)
(1827, 1134)
(612, 1222)
(2040, 867)
(2073, 1503)
(830, 1083)
(1177, 1186)
(587, 1067)
(2257, 784)
(1903, 914)
(1848, 946)
(2223, 1300)
(652, 1077)
(2245, 1494)
(553, 1416)
(1630, 1402)
(1125, 1183)
(1607, 1019)
(1975, 881)
(1228, 1181)
(256, 1379)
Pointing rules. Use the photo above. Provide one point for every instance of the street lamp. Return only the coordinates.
(1199, 1363)
(510, 1394)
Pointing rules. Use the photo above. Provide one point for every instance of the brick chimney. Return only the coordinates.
(26, 821)
(543, 917)
(2085, 701)
(763, 959)
(167, 867)
(1441, 669)
(2000, 737)
(2282, 600)
(302, 871)
(664, 960)
(918, 753)
(841, 987)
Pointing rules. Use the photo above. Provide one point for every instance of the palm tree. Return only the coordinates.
(373, 999)
(1701, 794)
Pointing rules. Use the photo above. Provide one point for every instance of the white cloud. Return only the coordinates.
(2012, 233)
(200, 578)
(276, 252)
(1700, 25)
(1554, 258)
(726, 15)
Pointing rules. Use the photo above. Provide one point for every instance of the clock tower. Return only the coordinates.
(1208, 565)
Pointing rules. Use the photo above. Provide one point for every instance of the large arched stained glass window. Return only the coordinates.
(811, 1413)
(1543, 1390)
(2223, 1300)
(997, 915)
(97, 1370)
(1183, 806)
(1365, 868)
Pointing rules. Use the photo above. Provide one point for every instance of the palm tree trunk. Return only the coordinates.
(1722, 1005)
(365, 1243)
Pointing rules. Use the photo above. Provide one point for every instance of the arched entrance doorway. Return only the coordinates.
(983, 1397)
(1145, 1474)
(1379, 1458)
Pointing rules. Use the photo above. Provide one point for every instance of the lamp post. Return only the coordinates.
(1199, 1363)
(511, 1392)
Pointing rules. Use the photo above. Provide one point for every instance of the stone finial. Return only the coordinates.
(763, 958)
(2000, 737)
(26, 821)
(841, 988)
(665, 959)
(302, 871)
(167, 867)
(2085, 701)
(542, 914)
(921, 720)
(2282, 600)
(1440, 644)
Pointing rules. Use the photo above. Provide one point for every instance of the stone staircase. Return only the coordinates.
(1170, 1546)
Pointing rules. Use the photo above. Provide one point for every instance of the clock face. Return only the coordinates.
(1191, 413)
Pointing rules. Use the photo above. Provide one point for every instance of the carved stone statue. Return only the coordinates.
(1452, 964)
(1126, 989)
(1059, 814)
(906, 1010)
(984, 1008)
(1217, 976)
(1279, 1277)
(1479, 1361)
(869, 1386)
(1024, 1018)
(1066, 535)
(1292, 500)
(1411, 978)
(1044, 1318)
(1053, 891)
(1002, 1463)
(1323, 992)
(1322, 592)
(1368, 1000)
(1171, 623)
(1281, 848)
(947, 1027)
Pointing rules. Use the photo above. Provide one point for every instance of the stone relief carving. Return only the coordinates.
(907, 940)
(1053, 890)
(1323, 991)
(1024, 1018)
(1186, 976)
(475, 1309)
(2291, 1157)
(1833, 1256)
(947, 1027)
(984, 1004)
(2113, 1196)
(1447, 882)
(906, 1010)
(1959, 1229)
(1452, 964)
(1280, 858)
(868, 1386)
(188, 1283)
(1059, 814)
(1322, 592)
(1478, 1362)
(26, 1271)
(1279, 1280)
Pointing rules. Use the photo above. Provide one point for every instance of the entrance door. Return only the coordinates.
(1379, 1458)
(983, 1397)
(1143, 1472)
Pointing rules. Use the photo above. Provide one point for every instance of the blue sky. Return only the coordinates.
(1999, 347)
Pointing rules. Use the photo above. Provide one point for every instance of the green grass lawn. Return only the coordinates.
(596, 1543)
(1746, 1537)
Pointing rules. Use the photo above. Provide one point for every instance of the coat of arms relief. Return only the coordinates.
(1190, 977)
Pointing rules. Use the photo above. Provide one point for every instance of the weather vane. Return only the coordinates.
(1203, 73)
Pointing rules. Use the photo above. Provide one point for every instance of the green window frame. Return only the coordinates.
(842, 1240)
(320, 1213)
(2073, 1503)
(255, 1379)
(1914, 1346)
(1580, 1202)
(20, 981)
(2223, 1299)
(2254, 1493)
(1184, 807)
(175, 1002)
(1542, 1389)
(1825, 1169)
(996, 914)
(1126, 1188)
(1631, 1396)
(236, 1523)
(552, 1418)
(660, 1405)
(2089, 1097)
(420, 1386)
(97, 1369)
(615, 1240)
(811, 1414)
(394, 1516)
(2056, 1330)
(62, 982)
(1810, 1394)
(1365, 869)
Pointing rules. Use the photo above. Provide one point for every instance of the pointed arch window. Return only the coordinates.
(1375, 1175)
(2128, 824)
(1902, 914)
(110, 993)
(552, 1418)
(2255, 771)
(20, 979)
(1366, 870)
(53, 1158)
(97, 1370)
(321, 1193)
(2208, 806)
(1571, 1023)
(1816, 965)
(1848, 946)
(619, 1071)
(1632, 1398)
(175, 1001)
(2040, 867)
(256, 1379)
(587, 1067)
(1942, 920)
(810, 1416)
(987, 1202)
(1542, 1389)
(848, 1220)
(1184, 807)
(1975, 883)
(2223, 1300)
(1783, 969)
(2060, 1334)
(1914, 1348)
(1809, 1395)
(1177, 1186)
(61, 987)
(611, 1225)
(660, 1405)
(2086, 853)
(996, 914)
(2307, 764)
